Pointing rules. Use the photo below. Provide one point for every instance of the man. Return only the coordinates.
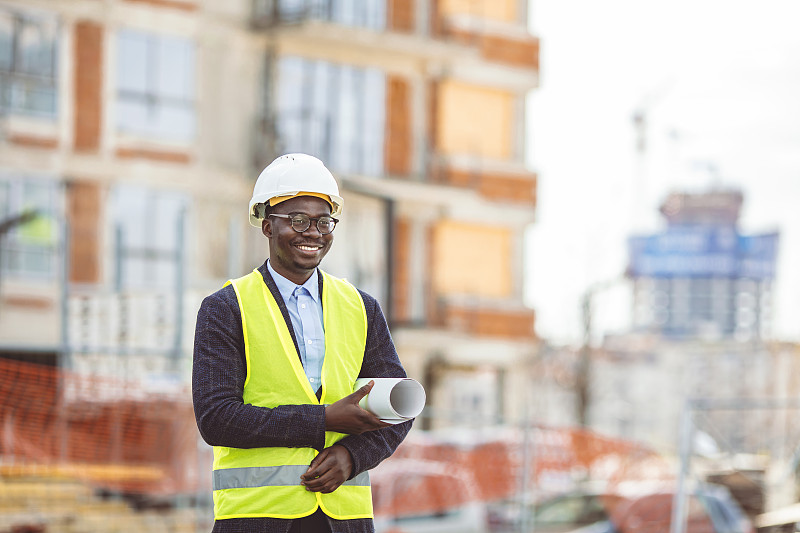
(276, 356)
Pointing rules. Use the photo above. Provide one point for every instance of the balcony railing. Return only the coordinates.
(365, 13)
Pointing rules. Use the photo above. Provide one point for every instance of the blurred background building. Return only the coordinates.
(701, 277)
(135, 131)
(131, 135)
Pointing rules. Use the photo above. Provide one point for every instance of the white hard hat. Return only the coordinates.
(291, 175)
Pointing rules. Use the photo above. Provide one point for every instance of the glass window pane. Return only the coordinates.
(289, 130)
(344, 12)
(175, 69)
(30, 248)
(290, 79)
(336, 112)
(345, 127)
(4, 200)
(174, 122)
(132, 115)
(6, 41)
(291, 9)
(132, 62)
(35, 43)
(149, 220)
(156, 83)
(374, 128)
(376, 14)
(32, 96)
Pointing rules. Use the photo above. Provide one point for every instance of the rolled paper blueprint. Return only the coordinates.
(393, 400)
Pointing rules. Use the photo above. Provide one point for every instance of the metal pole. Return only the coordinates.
(118, 251)
(678, 519)
(526, 467)
(584, 361)
(390, 259)
(66, 354)
(66, 362)
(180, 287)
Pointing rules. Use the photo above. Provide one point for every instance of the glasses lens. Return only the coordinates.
(325, 225)
(300, 222)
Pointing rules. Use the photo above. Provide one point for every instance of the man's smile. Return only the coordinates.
(308, 247)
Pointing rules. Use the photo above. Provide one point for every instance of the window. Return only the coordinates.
(148, 227)
(359, 13)
(28, 51)
(30, 249)
(334, 111)
(360, 252)
(155, 86)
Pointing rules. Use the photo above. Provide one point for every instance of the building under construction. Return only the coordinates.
(131, 135)
(701, 277)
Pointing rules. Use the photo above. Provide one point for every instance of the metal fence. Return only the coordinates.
(750, 446)
(76, 458)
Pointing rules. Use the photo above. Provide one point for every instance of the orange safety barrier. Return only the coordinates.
(426, 475)
(119, 436)
(106, 431)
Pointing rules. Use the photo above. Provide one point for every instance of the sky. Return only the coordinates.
(719, 84)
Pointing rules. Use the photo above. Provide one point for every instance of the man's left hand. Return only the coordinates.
(329, 469)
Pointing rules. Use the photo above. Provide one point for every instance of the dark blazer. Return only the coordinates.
(218, 376)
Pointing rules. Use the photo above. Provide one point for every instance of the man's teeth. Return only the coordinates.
(308, 248)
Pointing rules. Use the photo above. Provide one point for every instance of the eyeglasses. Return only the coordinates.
(301, 222)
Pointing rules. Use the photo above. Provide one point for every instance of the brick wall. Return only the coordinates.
(401, 297)
(83, 210)
(496, 186)
(153, 155)
(489, 322)
(516, 52)
(401, 15)
(88, 85)
(397, 152)
(32, 141)
(432, 104)
(183, 5)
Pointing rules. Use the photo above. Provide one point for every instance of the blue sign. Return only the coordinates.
(702, 252)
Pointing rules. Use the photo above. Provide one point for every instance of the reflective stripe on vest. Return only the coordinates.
(265, 482)
(270, 476)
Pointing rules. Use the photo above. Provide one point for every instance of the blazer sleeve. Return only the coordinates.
(218, 376)
(380, 360)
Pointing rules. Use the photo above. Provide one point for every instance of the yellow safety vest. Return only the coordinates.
(261, 482)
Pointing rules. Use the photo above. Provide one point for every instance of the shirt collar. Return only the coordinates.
(286, 287)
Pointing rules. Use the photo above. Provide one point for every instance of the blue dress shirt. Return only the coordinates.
(305, 310)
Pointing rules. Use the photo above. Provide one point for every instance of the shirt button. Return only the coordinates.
(310, 342)
(302, 306)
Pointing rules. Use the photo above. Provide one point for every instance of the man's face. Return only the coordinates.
(295, 255)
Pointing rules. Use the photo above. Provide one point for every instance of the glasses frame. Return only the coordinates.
(310, 220)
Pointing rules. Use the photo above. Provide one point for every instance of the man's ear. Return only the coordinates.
(266, 227)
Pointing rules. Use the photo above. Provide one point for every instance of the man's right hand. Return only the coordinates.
(346, 416)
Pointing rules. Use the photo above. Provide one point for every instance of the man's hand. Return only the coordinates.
(329, 469)
(345, 416)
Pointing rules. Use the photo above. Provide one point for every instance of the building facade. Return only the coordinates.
(701, 277)
(133, 130)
